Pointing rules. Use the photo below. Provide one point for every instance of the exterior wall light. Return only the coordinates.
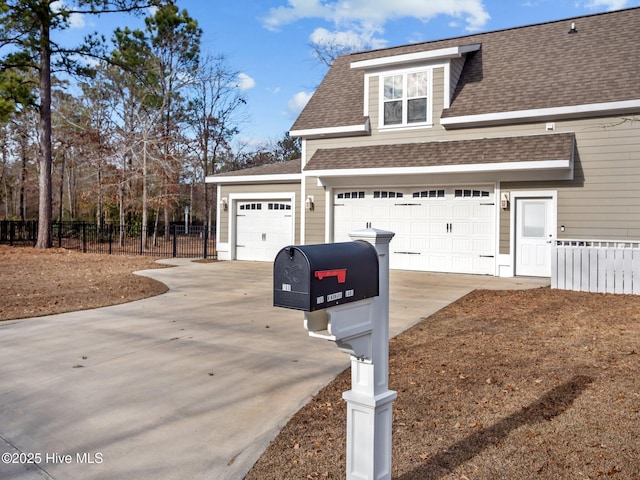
(224, 204)
(309, 203)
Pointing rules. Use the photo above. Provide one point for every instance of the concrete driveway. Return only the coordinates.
(190, 384)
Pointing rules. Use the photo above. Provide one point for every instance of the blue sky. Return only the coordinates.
(269, 41)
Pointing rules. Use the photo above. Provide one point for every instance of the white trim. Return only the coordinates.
(328, 215)
(366, 95)
(279, 178)
(218, 217)
(303, 214)
(446, 101)
(451, 52)
(235, 197)
(345, 130)
(555, 113)
(518, 194)
(476, 167)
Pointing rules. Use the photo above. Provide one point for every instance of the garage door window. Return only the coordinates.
(429, 194)
(471, 193)
(387, 194)
(251, 206)
(351, 195)
(279, 206)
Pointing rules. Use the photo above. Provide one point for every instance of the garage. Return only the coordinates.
(263, 227)
(438, 229)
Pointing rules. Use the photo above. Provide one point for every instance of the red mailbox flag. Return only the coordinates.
(340, 273)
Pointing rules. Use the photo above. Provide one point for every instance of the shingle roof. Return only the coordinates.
(532, 67)
(280, 168)
(459, 152)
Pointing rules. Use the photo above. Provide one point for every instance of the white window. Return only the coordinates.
(405, 99)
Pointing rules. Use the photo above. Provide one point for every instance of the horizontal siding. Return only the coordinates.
(315, 221)
(603, 200)
(504, 241)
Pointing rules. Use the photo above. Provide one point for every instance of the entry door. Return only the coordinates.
(534, 236)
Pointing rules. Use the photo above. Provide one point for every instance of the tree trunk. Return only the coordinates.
(45, 239)
(144, 197)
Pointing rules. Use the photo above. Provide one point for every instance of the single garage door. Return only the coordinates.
(262, 228)
(438, 229)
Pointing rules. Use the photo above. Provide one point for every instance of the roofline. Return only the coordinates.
(272, 178)
(441, 53)
(343, 131)
(553, 113)
(468, 168)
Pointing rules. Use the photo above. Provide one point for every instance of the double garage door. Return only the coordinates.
(263, 227)
(438, 229)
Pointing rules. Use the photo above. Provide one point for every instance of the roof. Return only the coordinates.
(532, 67)
(534, 148)
(279, 168)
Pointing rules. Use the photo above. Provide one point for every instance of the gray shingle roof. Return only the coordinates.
(532, 67)
(280, 168)
(459, 152)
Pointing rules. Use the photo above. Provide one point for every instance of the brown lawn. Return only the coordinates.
(533, 384)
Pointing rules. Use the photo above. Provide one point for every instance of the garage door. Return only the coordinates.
(441, 229)
(262, 228)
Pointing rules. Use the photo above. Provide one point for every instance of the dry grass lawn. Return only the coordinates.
(533, 384)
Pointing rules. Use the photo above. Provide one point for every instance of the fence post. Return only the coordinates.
(60, 233)
(11, 232)
(84, 237)
(206, 241)
(175, 242)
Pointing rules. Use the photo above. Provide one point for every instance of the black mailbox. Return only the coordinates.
(313, 277)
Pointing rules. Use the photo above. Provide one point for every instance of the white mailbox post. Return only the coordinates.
(359, 328)
(369, 402)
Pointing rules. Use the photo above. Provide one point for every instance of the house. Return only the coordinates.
(480, 152)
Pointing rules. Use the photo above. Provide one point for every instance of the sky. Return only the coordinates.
(269, 42)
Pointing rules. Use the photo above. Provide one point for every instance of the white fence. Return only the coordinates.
(605, 266)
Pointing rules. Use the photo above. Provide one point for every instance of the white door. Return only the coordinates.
(438, 229)
(262, 228)
(534, 236)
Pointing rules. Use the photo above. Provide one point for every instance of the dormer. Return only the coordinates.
(384, 90)
(406, 83)
(404, 87)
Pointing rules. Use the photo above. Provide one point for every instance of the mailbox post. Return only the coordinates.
(350, 308)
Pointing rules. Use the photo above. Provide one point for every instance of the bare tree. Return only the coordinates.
(216, 113)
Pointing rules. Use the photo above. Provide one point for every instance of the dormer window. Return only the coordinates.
(405, 99)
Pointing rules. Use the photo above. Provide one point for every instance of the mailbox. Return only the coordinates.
(314, 277)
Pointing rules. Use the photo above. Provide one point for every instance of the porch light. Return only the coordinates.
(223, 204)
(309, 203)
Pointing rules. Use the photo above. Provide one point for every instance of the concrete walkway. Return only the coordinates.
(190, 384)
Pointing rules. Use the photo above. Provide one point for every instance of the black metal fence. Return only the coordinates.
(178, 240)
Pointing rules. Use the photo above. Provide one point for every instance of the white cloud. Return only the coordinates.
(352, 40)
(371, 15)
(245, 82)
(76, 20)
(298, 102)
(608, 4)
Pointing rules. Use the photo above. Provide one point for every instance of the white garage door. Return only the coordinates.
(441, 229)
(262, 228)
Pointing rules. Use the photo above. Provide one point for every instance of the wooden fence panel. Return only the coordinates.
(602, 266)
